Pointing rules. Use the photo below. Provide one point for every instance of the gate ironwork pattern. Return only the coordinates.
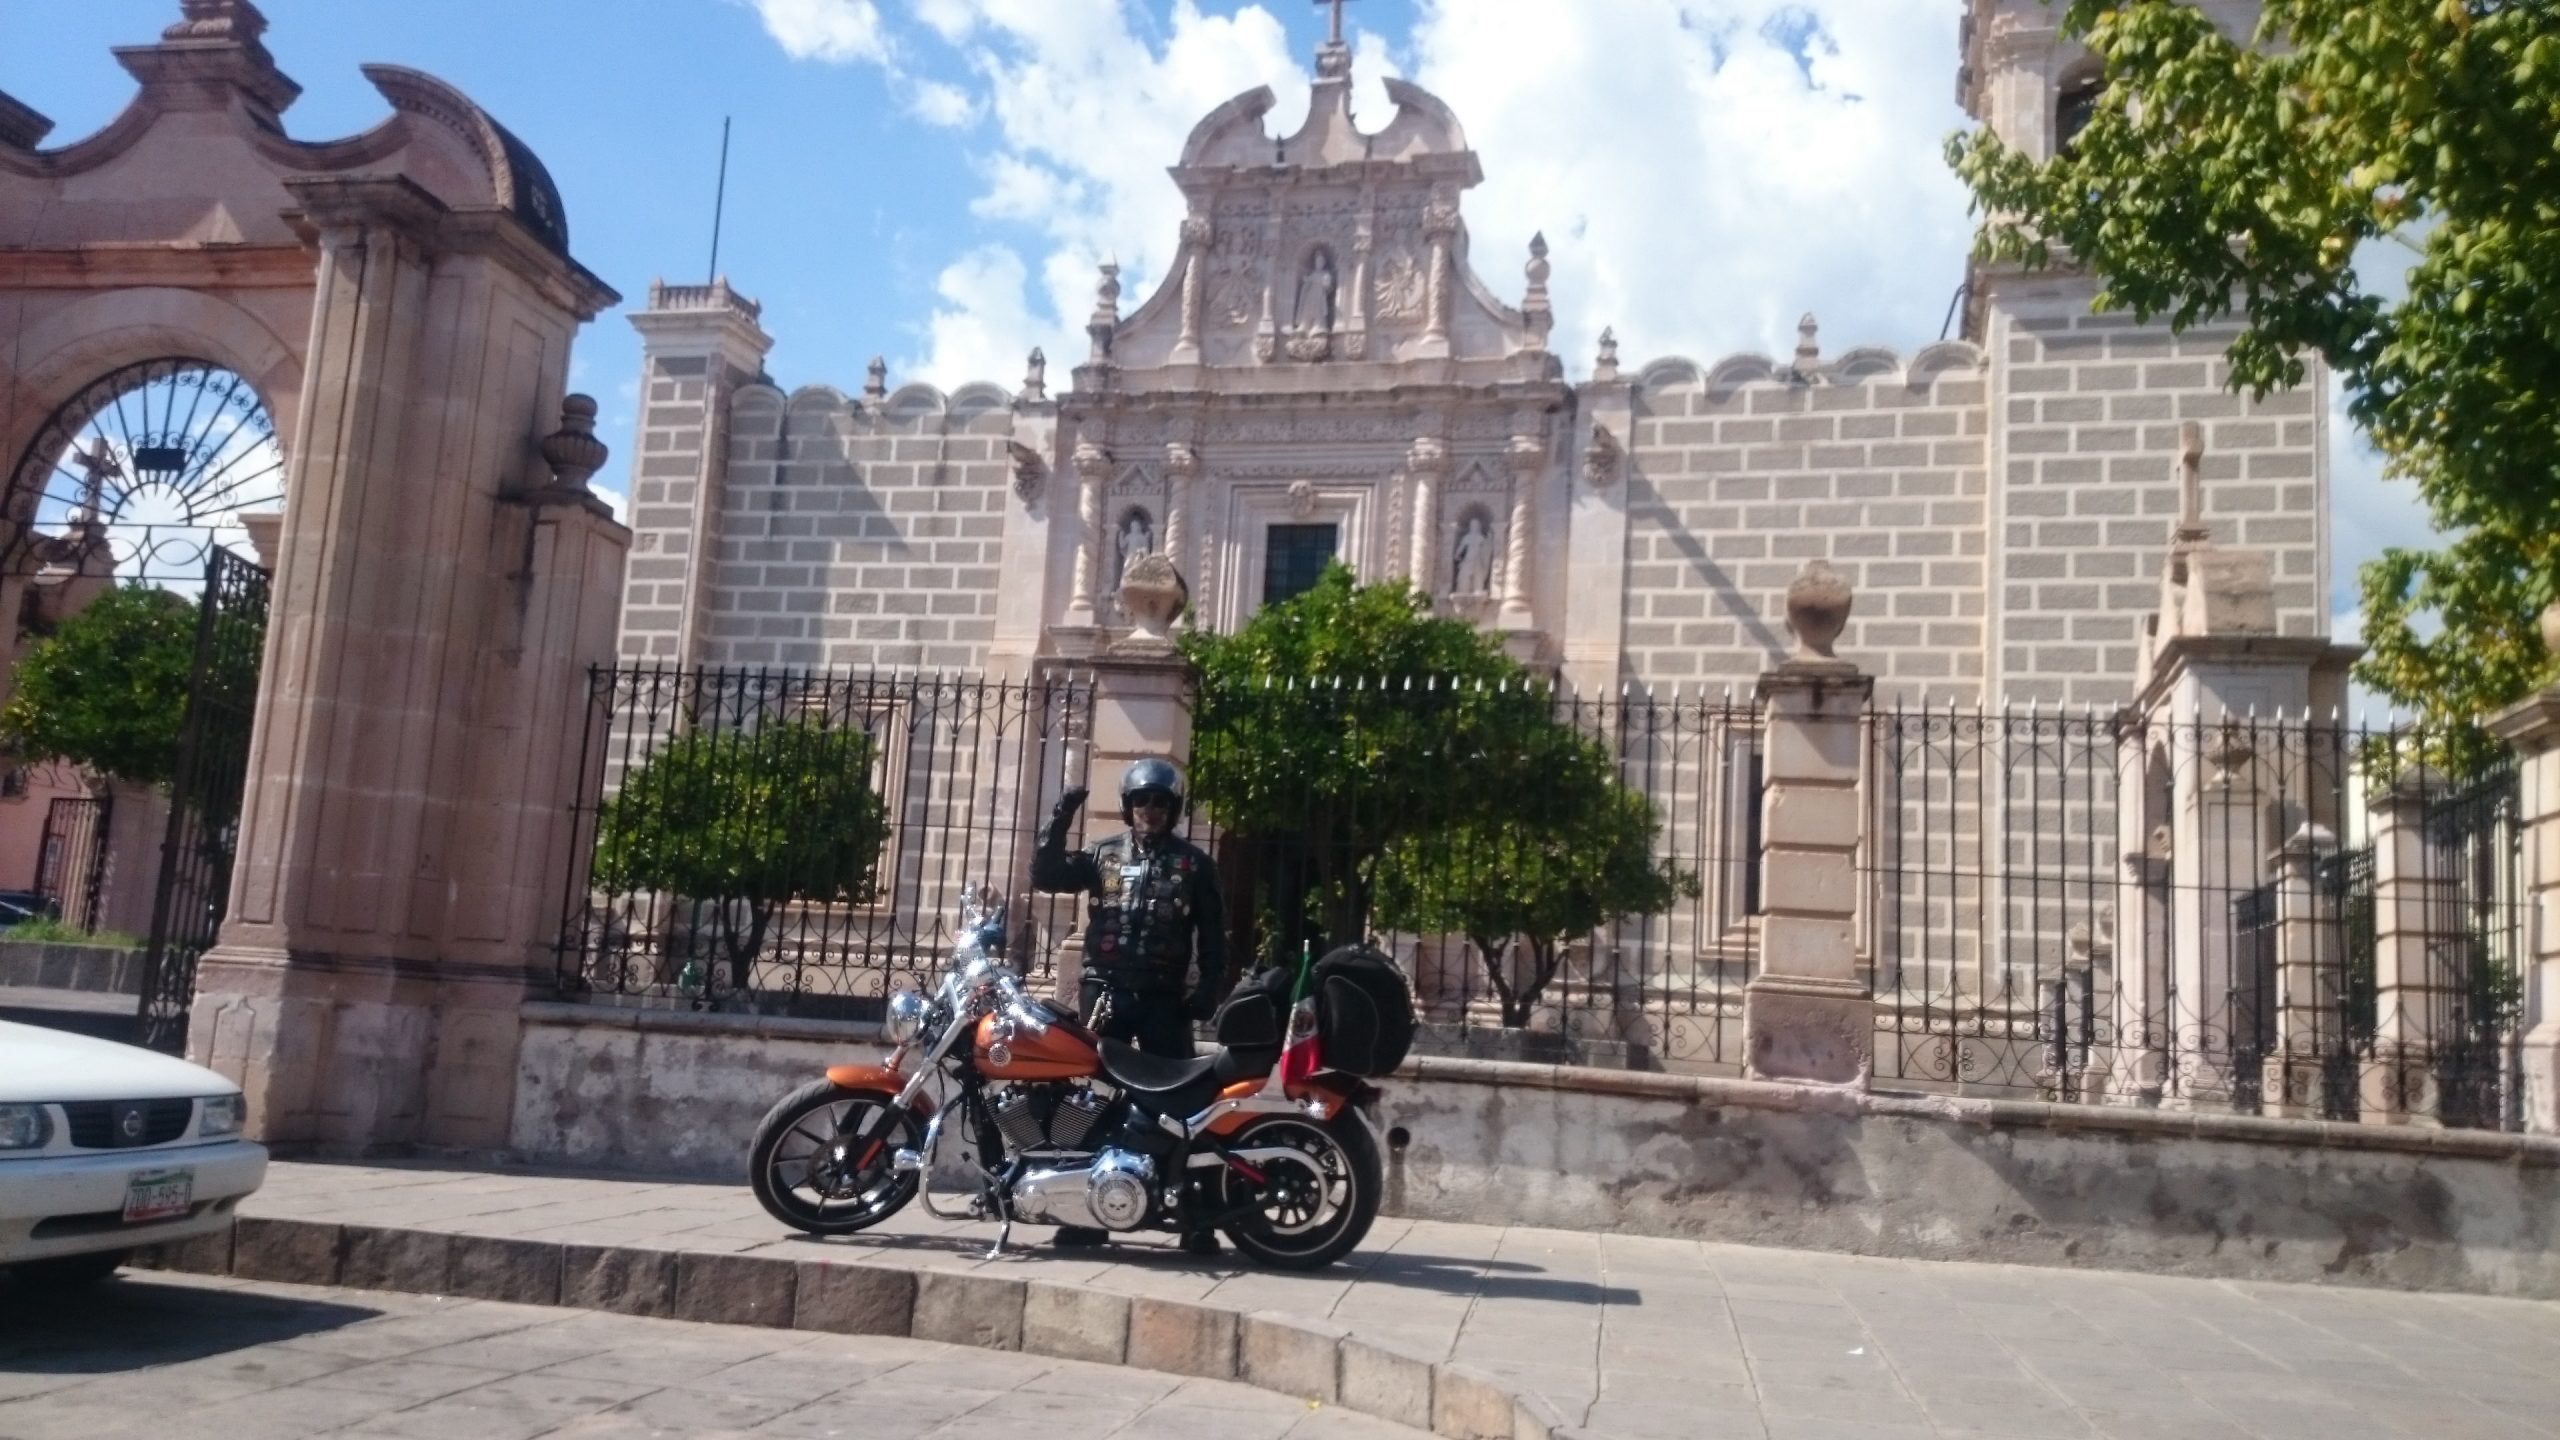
(71, 860)
(205, 793)
(796, 842)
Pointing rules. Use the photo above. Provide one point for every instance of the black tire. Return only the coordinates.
(1289, 1233)
(70, 1272)
(801, 1175)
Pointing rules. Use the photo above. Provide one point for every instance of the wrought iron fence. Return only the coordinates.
(2263, 915)
(1572, 874)
(792, 842)
(71, 858)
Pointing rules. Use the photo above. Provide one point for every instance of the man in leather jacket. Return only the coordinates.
(1155, 913)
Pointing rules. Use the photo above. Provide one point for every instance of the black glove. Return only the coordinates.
(1063, 817)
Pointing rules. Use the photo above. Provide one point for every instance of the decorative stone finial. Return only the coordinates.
(1808, 346)
(1152, 594)
(2191, 526)
(1035, 378)
(1818, 602)
(875, 379)
(1106, 311)
(573, 452)
(1536, 308)
(237, 21)
(1607, 366)
(1603, 459)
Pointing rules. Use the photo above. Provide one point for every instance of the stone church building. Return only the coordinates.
(1330, 369)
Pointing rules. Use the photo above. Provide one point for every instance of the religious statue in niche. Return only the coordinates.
(1472, 557)
(1314, 315)
(1137, 537)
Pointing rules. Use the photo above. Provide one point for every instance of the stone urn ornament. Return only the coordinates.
(1818, 601)
(1152, 594)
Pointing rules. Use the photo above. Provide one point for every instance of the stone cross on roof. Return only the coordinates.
(1335, 37)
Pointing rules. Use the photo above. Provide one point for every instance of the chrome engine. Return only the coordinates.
(1113, 1193)
(1033, 1118)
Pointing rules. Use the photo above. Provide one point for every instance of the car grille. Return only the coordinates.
(100, 1124)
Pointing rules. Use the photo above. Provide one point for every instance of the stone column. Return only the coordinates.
(1428, 462)
(1440, 227)
(1809, 1014)
(2310, 962)
(1197, 234)
(1181, 468)
(1528, 457)
(2219, 1015)
(2533, 727)
(2410, 1007)
(397, 889)
(1093, 472)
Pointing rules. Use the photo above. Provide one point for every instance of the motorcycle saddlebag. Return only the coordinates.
(1256, 1012)
(1364, 1011)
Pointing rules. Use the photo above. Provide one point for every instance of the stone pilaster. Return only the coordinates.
(2410, 1006)
(2533, 727)
(2310, 1026)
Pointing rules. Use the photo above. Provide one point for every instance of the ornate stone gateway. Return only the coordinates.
(204, 797)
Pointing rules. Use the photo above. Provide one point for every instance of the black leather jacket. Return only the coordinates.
(1155, 910)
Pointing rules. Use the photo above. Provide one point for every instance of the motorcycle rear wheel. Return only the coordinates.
(1316, 1209)
(812, 1174)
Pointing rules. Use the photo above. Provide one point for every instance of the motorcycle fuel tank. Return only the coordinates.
(1064, 1051)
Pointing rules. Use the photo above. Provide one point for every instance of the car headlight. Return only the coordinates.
(905, 1018)
(24, 1127)
(217, 1117)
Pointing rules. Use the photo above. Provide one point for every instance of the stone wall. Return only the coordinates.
(860, 534)
(1811, 1167)
(2085, 493)
(1742, 472)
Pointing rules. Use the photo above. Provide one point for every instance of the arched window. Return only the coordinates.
(2075, 101)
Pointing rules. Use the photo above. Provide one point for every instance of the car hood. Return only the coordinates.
(41, 1064)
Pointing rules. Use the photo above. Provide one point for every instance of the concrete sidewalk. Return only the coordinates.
(1478, 1331)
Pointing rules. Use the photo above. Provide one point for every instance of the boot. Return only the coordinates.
(1077, 1237)
(1203, 1243)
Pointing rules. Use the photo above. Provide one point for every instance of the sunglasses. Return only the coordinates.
(1151, 800)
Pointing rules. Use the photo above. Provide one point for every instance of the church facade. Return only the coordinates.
(1330, 370)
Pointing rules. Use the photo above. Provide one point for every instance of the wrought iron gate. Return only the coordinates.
(71, 861)
(204, 794)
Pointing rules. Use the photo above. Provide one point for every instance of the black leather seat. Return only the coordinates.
(1182, 1088)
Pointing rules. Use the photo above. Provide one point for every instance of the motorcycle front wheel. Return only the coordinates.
(823, 1158)
(1316, 1204)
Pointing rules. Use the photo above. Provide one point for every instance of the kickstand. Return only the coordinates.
(1004, 1231)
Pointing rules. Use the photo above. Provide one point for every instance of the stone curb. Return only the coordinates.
(1309, 1359)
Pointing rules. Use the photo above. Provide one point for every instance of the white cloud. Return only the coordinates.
(836, 31)
(938, 103)
(980, 329)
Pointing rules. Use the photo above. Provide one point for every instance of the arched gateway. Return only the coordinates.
(355, 347)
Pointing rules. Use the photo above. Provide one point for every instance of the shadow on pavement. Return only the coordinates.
(133, 1322)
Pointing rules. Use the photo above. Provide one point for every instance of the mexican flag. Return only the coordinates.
(1301, 1056)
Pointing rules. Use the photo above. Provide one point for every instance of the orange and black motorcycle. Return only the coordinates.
(1065, 1128)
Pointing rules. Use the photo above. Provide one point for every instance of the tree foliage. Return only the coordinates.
(749, 821)
(2247, 179)
(1420, 776)
(107, 690)
(1560, 859)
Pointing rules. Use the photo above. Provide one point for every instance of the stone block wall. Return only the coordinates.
(2085, 491)
(1743, 472)
(859, 534)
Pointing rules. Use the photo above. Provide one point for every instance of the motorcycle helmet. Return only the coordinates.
(1142, 776)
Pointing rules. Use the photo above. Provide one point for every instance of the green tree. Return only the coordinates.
(747, 820)
(2246, 180)
(1345, 720)
(107, 690)
(1569, 852)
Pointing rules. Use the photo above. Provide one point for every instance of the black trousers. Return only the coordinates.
(1153, 1020)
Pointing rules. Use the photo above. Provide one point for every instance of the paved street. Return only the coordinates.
(1650, 1339)
(172, 1355)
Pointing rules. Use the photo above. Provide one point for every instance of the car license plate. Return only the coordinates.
(158, 1195)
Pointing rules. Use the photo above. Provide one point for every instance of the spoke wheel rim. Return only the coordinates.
(829, 1176)
(1310, 1192)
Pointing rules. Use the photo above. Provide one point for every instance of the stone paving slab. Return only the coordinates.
(243, 1360)
(1634, 1337)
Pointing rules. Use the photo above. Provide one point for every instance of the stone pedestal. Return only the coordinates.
(1809, 1014)
(2533, 727)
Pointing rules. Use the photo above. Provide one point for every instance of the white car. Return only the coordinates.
(105, 1147)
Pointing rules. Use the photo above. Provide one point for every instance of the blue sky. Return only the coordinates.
(935, 180)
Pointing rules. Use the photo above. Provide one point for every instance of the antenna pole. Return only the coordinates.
(719, 201)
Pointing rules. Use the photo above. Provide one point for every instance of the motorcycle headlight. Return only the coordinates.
(24, 1127)
(218, 1117)
(905, 1018)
